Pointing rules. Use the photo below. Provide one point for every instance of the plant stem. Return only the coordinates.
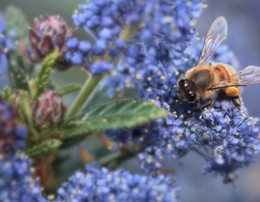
(117, 158)
(84, 93)
(88, 90)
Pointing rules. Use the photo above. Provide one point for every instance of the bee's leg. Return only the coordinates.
(199, 107)
(207, 104)
(234, 94)
(237, 101)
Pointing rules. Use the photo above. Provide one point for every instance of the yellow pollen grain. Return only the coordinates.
(113, 73)
(193, 22)
(138, 76)
(149, 90)
(204, 5)
(177, 73)
(104, 120)
(149, 78)
(51, 197)
(128, 85)
(188, 3)
(167, 19)
(169, 146)
(162, 77)
(243, 116)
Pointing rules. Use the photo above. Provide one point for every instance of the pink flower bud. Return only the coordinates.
(47, 34)
(48, 110)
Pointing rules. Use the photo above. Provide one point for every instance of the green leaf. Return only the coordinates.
(69, 88)
(25, 105)
(6, 93)
(113, 115)
(42, 78)
(16, 20)
(19, 71)
(19, 68)
(43, 148)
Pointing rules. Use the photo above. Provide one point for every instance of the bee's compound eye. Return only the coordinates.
(185, 83)
(191, 96)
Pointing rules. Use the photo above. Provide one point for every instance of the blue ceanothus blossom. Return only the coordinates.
(6, 45)
(101, 184)
(152, 60)
(16, 175)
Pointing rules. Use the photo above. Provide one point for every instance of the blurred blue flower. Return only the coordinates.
(16, 180)
(6, 45)
(101, 184)
(16, 175)
(134, 33)
(154, 66)
(12, 135)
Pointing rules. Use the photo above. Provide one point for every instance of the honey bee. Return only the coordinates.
(203, 80)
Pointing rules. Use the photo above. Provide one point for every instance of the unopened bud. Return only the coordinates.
(48, 110)
(47, 34)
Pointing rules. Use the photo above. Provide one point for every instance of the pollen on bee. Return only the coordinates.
(232, 91)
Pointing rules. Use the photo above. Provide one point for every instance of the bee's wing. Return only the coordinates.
(246, 77)
(216, 35)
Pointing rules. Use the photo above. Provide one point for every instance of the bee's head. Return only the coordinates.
(185, 91)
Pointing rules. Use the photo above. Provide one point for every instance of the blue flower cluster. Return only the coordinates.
(154, 66)
(16, 175)
(12, 135)
(6, 45)
(231, 142)
(226, 137)
(101, 184)
(130, 35)
(16, 180)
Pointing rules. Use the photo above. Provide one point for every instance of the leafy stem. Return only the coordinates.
(84, 93)
(92, 82)
(116, 158)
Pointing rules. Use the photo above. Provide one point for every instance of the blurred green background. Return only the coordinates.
(244, 39)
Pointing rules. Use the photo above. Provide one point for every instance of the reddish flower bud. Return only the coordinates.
(48, 110)
(47, 34)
